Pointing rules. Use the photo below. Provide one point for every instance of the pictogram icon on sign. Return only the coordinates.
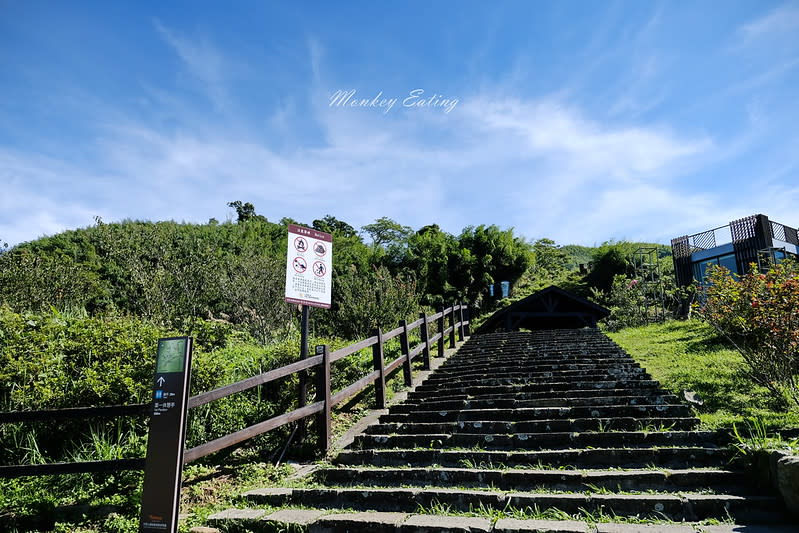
(319, 249)
(319, 268)
(300, 244)
(300, 265)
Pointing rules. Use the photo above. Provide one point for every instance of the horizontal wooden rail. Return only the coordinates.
(393, 333)
(321, 407)
(393, 365)
(260, 379)
(113, 465)
(416, 350)
(352, 348)
(252, 431)
(415, 324)
(355, 388)
(137, 409)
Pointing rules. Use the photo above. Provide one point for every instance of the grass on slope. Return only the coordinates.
(690, 355)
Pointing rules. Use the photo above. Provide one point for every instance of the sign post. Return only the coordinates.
(164, 463)
(309, 275)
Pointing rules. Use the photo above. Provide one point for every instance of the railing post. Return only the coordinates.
(468, 315)
(323, 395)
(460, 322)
(441, 332)
(452, 326)
(379, 365)
(425, 340)
(406, 353)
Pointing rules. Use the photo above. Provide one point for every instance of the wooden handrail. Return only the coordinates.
(254, 381)
(325, 400)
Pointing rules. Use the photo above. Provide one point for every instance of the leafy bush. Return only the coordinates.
(371, 300)
(759, 314)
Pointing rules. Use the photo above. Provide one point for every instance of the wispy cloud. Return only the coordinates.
(780, 21)
(203, 61)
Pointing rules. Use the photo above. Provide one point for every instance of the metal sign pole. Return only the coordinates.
(304, 354)
(164, 463)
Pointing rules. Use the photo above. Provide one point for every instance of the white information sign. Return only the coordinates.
(309, 267)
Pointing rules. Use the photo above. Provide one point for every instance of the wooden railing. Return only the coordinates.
(452, 322)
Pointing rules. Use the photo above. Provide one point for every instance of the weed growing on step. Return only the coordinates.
(756, 439)
(647, 428)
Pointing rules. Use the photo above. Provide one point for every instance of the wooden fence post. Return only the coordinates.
(452, 326)
(323, 395)
(460, 316)
(425, 340)
(441, 332)
(379, 365)
(466, 329)
(406, 353)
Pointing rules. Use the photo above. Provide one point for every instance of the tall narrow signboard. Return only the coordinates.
(309, 267)
(309, 275)
(164, 464)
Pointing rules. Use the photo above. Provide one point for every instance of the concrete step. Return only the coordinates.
(532, 364)
(687, 506)
(555, 376)
(512, 403)
(663, 457)
(534, 370)
(539, 426)
(547, 395)
(533, 441)
(667, 480)
(324, 521)
(535, 377)
(542, 413)
(633, 386)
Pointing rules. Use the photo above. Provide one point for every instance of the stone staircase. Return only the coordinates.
(555, 430)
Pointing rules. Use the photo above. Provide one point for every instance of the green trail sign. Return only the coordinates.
(164, 462)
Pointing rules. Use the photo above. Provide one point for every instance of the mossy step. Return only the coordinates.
(538, 441)
(667, 480)
(685, 506)
(554, 386)
(533, 367)
(541, 413)
(502, 378)
(541, 426)
(663, 457)
(546, 395)
(509, 403)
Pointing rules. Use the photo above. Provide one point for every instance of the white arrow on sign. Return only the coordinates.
(161, 381)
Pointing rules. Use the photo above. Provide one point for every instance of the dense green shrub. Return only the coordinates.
(759, 314)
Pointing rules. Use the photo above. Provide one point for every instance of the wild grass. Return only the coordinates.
(689, 355)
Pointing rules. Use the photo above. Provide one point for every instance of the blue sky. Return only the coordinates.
(580, 121)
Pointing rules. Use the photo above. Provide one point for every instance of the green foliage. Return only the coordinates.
(759, 314)
(494, 255)
(334, 226)
(245, 211)
(625, 302)
(608, 260)
(385, 231)
(690, 355)
(35, 282)
(375, 299)
(254, 288)
(549, 265)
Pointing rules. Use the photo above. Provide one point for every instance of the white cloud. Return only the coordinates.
(780, 21)
(544, 168)
(203, 61)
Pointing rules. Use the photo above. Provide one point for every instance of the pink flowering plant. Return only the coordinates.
(759, 314)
